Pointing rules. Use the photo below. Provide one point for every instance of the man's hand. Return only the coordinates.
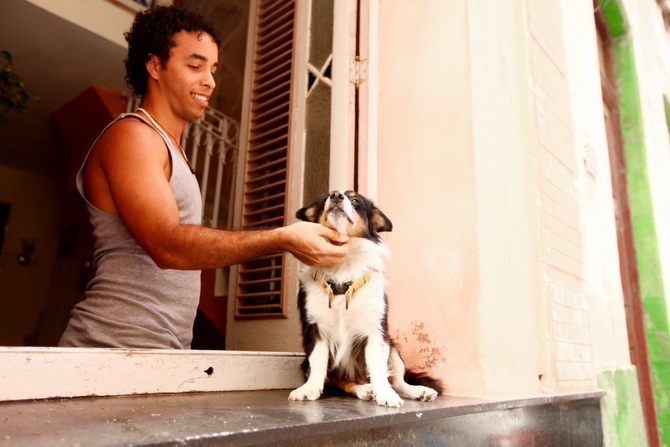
(316, 245)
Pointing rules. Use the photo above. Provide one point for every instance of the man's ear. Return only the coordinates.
(153, 65)
(380, 222)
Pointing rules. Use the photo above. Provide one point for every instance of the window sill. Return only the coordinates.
(41, 373)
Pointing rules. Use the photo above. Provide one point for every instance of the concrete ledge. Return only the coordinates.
(267, 417)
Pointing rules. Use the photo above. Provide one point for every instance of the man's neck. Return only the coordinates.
(165, 117)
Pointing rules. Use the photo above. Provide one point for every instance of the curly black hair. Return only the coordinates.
(152, 32)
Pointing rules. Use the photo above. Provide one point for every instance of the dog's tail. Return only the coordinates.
(423, 379)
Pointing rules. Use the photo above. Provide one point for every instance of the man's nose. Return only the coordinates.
(209, 80)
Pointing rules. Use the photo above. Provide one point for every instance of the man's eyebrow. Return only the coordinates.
(202, 58)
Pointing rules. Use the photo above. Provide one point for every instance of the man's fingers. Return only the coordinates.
(334, 235)
(316, 245)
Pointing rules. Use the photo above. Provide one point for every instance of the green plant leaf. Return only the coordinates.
(13, 91)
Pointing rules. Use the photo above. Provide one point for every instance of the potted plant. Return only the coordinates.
(13, 92)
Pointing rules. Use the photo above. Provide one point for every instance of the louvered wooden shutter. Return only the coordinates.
(260, 282)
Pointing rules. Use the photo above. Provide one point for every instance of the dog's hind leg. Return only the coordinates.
(318, 367)
(362, 391)
(404, 389)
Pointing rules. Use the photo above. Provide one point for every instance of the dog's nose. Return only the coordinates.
(336, 196)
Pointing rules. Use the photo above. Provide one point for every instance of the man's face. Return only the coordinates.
(187, 80)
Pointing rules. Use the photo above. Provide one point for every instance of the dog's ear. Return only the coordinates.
(380, 222)
(311, 212)
(307, 214)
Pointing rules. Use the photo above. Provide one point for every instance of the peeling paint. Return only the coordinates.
(431, 356)
(421, 337)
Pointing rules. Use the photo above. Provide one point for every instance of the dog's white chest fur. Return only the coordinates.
(338, 325)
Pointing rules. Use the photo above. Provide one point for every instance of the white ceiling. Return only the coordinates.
(57, 60)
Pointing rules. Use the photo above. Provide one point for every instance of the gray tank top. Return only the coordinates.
(131, 302)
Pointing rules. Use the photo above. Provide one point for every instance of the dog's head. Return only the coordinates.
(347, 212)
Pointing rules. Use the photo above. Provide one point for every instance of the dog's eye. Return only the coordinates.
(355, 201)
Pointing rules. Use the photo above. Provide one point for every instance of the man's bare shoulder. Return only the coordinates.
(128, 131)
(129, 146)
(129, 149)
(129, 137)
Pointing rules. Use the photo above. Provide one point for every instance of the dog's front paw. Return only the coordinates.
(388, 398)
(306, 392)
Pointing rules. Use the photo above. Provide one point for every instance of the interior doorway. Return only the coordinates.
(37, 297)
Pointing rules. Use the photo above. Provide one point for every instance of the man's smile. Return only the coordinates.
(200, 97)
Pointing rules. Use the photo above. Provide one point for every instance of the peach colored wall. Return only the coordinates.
(602, 281)
(506, 197)
(569, 363)
(489, 135)
(426, 187)
(455, 177)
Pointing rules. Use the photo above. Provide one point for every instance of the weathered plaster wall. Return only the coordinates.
(453, 124)
(506, 223)
(426, 187)
(505, 276)
(568, 362)
(602, 280)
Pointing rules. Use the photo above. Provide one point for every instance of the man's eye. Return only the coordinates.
(195, 67)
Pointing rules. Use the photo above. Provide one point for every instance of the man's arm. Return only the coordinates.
(216, 248)
(128, 173)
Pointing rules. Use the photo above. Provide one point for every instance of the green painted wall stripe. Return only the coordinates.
(616, 21)
(652, 290)
(623, 420)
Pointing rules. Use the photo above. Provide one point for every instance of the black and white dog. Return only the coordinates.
(343, 310)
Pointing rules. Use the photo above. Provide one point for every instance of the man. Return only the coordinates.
(144, 200)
